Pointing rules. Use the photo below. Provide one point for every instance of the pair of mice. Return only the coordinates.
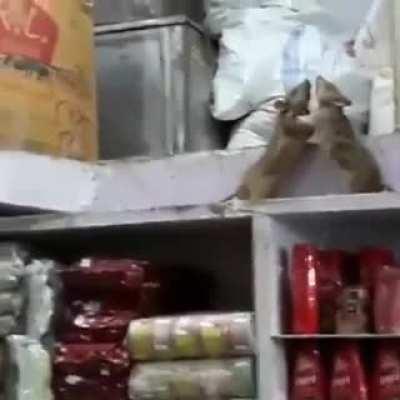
(337, 138)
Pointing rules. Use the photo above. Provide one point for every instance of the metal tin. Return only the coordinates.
(107, 11)
(154, 82)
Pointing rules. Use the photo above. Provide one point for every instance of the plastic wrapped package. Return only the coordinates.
(93, 275)
(192, 380)
(221, 13)
(387, 301)
(304, 289)
(101, 362)
(12, 263)
(94, 323)
(331, 282)
(11, 303)
(192, 336)
(30, 370)
(73, 387)
(102, 296)
(41, 298)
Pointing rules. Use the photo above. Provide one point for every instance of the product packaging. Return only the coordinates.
(104, 275)
(192, 380)
(101, 362)
(386, 376)
(348, 379)
(309, 378)
(30, 370)
(94, 325)
(12, 291)
(372, 260)
(41, 65)
(330, 278)
(304, 288)
(74, 388)
(387, 301)
(191, 336)
(41, 298)
(102, 296)
(352, 315)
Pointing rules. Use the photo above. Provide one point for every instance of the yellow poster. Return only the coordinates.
(47, 80)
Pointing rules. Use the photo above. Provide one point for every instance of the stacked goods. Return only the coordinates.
(197, 380)
(338, 292)
(345, 373)
(192, 337)
(26, 311)
(12, 272)
(99, 300)
(30, 370)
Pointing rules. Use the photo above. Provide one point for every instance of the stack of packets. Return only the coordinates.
(227, 340)
(26, 311)
(100, 298)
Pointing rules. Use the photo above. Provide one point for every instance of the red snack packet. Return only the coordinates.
(387, 301)
(309, 379)
(304, 289)
(348, 376)
(386, 376)
(103, 326)
(371, 260)
(95, 275)
(330, 281)
(73, 387)
(103, 362)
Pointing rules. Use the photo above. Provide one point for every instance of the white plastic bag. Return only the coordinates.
(41, 302)
(268, 52)
(222, 13)
(31, 370)
(374, 47)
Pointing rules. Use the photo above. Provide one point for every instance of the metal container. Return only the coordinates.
(154, 82)
(111, 11)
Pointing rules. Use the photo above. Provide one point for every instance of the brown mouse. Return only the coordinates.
(338, 139)
(263, 179)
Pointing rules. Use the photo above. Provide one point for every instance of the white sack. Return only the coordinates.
(222, 13)
(267, 53)
(373, 47)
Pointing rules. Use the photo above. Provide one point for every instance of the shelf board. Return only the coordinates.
(362, 336)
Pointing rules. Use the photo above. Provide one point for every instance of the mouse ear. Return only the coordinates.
(328, 93)
(281, 105)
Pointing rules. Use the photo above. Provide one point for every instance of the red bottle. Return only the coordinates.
(330, 286)
(348, 376)
(304, 289)
(372, 260)
(309, 379)
(386, 378)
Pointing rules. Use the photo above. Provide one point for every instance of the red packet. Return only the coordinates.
(348, 376)
(105, 326)
(97, 275)
(387, 301)
(75, 388)
(103, 362)
(304, 289)
(330, 286)
(309, 379)
(386, 377)
(372, 260)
